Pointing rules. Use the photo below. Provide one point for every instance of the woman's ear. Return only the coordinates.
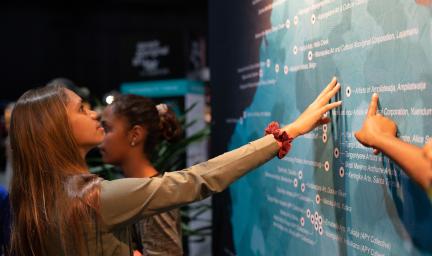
(137, 135)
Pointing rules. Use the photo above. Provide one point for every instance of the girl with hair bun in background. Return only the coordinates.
(134, 126)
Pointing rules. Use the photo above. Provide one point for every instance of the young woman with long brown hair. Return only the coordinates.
(58, 208)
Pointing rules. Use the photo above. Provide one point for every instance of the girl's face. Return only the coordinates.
(116, 144)
(86, 129)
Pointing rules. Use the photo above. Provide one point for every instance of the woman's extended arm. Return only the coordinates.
(125, 201)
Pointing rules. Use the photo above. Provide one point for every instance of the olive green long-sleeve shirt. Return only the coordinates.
(127, 201)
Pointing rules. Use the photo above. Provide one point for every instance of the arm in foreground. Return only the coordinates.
(125, 201)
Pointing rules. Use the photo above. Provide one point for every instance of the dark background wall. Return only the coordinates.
(84, 40)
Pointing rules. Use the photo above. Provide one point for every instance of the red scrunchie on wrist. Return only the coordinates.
(282, 137)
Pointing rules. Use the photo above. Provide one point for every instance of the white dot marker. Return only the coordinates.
(348, 91)
(286, 69)
(325, 127)
(316, 226)
(296, 20)
(317, 199)
(324, 137)
(300, 175)
(287, 24)
(312, 218)
(336, 152)
(341, 172)
(268, 63)
(320, 220)
(308, 213)
(295, 50)
(277, 68)
(295, 183)
(316, 215)
(303, 187)
(326, 166)
(313, 19)
(310, 55)
(302, 221)
(320, 230)
(325, 114)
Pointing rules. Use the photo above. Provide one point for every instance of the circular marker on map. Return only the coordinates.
(320, 220)
(317, 199)
(326, 114)
(310, 55)
(341, 172)
(300, 174)
(316, 215)
(316, 226)
(295, 50)
(268, 63)
(320, 230)
(303, 187)
(348, 91)
(313, 19)
(336, 152)
(295, 183)
(296, 20)
(287, 24)
(286, 69)
(302, 221)
(261, 73)
(308, 213)
(325, 127)
(277, 68)
(312, 218)
(326, 166)
(324, 137)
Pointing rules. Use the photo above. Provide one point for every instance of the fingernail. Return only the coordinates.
(334, 78)
(338, 84)
(375, 94)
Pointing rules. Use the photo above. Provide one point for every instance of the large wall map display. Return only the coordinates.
(329, 195)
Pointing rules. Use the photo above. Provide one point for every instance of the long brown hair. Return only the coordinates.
(52, 193)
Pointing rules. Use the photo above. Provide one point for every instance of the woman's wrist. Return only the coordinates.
(379, 141)
(282, 137)
(291, 130)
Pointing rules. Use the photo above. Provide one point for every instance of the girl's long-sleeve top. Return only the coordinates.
(124, 202)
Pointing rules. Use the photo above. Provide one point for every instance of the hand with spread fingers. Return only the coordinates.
(313, 116)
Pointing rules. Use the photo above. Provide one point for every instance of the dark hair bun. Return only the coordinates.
(170, 128)
(160, 121)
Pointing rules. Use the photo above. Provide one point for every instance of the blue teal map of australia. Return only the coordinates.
(330, 195)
